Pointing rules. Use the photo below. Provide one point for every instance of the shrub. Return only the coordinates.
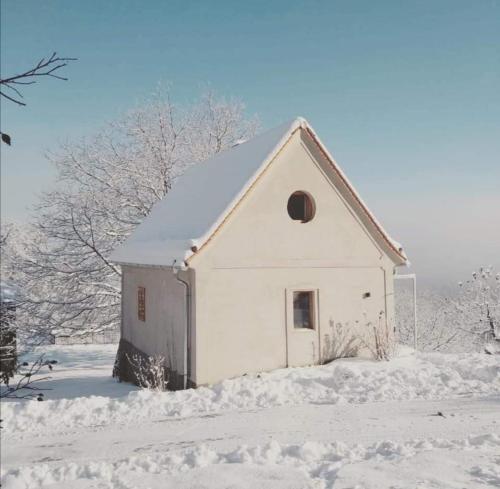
(379, 339)
(149, 372)
(340, 342)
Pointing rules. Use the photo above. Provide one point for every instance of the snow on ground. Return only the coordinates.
(351, 424)
(423, 376)
(310, 464)
(80, 371)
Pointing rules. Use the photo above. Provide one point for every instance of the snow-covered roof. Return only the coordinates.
(202, 198)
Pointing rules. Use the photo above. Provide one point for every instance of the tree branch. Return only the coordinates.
(43, 68)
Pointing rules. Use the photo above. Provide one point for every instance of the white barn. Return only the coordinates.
(250, 260)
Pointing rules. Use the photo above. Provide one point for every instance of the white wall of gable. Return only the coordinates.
(260, 233)
(245, 273)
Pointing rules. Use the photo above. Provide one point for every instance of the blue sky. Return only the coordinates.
(405, 94)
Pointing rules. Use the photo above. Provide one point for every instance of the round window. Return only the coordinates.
(301, 206)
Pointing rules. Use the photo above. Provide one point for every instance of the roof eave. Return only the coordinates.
(401, 258)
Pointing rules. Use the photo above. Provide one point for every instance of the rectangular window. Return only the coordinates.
(141, 303)
(303, 309)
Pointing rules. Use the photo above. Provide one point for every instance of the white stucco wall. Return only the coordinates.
(244, 274)
(163, 331)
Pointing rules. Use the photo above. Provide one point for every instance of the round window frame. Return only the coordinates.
(310, 202)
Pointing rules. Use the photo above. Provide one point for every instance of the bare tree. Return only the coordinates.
(10, 87)
(105, 187)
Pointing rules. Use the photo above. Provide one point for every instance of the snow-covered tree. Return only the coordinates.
(10, 241)
(105, 187)
(462, 321)
(12, 246)
(436, 329)
(477, 308)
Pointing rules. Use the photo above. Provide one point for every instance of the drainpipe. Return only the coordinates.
(187, 336)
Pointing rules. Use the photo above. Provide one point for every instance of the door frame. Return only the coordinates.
(289, 323)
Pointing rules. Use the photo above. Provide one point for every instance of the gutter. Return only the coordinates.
(187, 337)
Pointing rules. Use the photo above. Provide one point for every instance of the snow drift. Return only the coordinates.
(413, 376)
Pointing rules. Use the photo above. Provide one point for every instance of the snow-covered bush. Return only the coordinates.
(150, 372)
(105, 186)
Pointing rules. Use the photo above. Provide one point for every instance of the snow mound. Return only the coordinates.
(312, 464)
(414, 376)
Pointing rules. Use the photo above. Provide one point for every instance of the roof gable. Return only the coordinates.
(186, 218)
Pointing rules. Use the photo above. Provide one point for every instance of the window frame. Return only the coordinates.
(314, 309)
(141, 303)
(309, 206)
